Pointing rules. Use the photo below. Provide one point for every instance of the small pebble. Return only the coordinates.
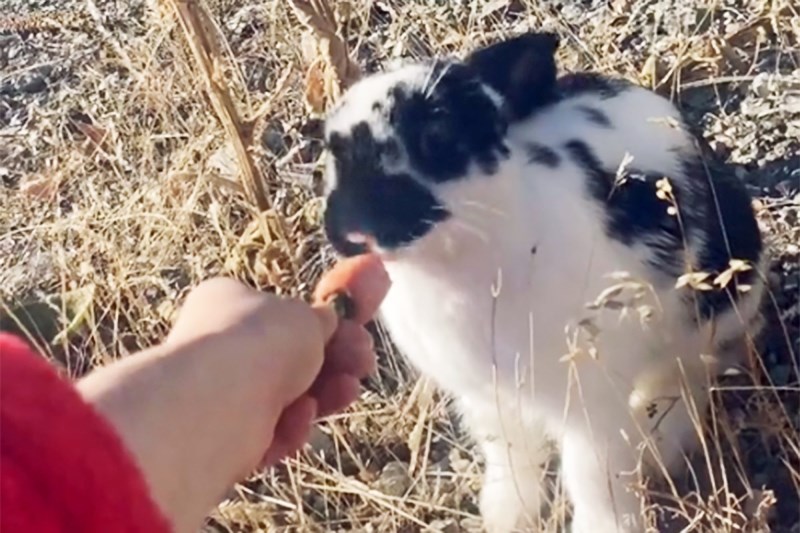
(443, 526)
(394, 479)
(33, 84)
(273, 140)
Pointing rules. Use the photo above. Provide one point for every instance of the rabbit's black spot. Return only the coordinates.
(449, 124)
(542, 155)
(362, 142)
(391, 150)
(395, 210)
(722, 215)
(595, 116)
(582, 155)
(634, 213)
(336, 144)
(391, 207)
(576, 84)
(713, 215)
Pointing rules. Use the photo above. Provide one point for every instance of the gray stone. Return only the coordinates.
(394, 479)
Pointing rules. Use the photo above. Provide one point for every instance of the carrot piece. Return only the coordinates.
(362, 280)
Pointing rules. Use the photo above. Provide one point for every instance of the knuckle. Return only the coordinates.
(216, 283)
(298, 310)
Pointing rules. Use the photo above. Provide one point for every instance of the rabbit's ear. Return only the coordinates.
(522, 69)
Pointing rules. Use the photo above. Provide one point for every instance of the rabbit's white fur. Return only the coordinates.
(490, 303)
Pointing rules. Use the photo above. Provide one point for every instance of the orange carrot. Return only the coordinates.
(362, 280)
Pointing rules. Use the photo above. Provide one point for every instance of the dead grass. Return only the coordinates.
(121, 192)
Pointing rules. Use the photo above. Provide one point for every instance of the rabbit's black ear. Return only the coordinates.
(522, 69)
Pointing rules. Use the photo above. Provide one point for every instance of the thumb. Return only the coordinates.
(328, 320)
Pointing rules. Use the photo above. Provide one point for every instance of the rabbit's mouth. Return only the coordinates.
(363, 240)
(381, 214)
(354, 243)
(360, 238)
(368, 244)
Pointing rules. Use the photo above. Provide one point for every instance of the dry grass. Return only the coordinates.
(120, 192)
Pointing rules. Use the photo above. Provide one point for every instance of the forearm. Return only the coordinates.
(152, 400)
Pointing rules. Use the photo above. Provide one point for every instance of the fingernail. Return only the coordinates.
(343, 304)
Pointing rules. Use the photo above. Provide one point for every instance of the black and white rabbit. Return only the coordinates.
(504, 199)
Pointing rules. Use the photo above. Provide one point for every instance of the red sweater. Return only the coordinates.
(62, 466)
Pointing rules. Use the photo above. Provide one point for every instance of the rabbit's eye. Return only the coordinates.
(436, 136)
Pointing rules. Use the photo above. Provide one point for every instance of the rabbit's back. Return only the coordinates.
(606, 203)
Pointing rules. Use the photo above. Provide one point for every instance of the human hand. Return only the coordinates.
(314, 384)
(240, 372)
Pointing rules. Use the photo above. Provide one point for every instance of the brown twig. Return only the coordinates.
(195, 21)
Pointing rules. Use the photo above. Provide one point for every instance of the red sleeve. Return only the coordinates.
(62, 466)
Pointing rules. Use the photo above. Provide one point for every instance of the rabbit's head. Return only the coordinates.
(402, 143)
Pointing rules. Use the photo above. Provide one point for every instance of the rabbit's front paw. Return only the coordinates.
(510, 505)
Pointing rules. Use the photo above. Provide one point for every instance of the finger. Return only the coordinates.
(350, 351)
(328, 320)
(335, 393)
(363, 278)
(293, 429)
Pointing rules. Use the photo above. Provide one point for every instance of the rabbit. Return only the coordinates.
(553, 243)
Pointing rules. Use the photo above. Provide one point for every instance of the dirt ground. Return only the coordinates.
(119, 193)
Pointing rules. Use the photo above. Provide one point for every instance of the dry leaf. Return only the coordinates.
(258, 232)
(264, 275)
(40, 188)
(723, 279)
(315, 92)
(167, 311)
(225, 162)
(492, 7)
(424, 403)
(739, 265)
(339, 71)
(622, 170)
(77, 307)
(620, 275)
(649, 74)
(693, 280)
(734, 267)
(309, 47)
(610, 292)
(96, 135)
